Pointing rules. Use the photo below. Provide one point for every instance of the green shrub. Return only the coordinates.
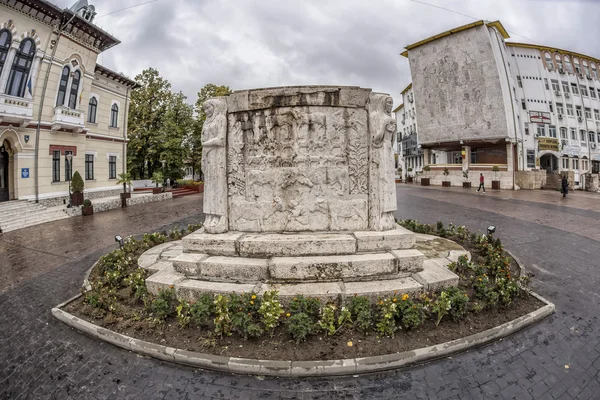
(307, 305)
(270, 310)
(87, 203)
(77, 184)
(385, 318)
(362, 313)
(183, 314)
(459, 301)
(409, 313)
(163, 305)
(243, 324)
(157, 178)
(332, 320)
(300, 326)
(441, 306)
(202, 310)
(222, 319)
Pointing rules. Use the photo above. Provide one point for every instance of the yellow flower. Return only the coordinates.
(479, 279)
(381, 303)
(349, 344)
(287, 315)
(394, 299)
(171, 287)
(253, 296)
(251, 302)
(404, 297)
(295, 299)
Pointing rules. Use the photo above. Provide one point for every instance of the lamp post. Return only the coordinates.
(70, 160)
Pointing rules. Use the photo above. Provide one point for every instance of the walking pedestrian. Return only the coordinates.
(564, 186)
(481, 183)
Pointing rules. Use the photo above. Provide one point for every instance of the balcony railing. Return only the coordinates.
(16, 110)
(66, 118)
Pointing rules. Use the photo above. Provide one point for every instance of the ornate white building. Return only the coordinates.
(56, 102)
(482, 101)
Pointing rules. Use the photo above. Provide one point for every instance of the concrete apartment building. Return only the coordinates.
(57, 101)
(482, 101)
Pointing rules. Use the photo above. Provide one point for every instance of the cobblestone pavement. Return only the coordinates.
(558, 358)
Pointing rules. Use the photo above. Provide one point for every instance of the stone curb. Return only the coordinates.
(303, 368)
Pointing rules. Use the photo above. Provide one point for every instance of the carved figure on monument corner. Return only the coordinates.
(214, 165)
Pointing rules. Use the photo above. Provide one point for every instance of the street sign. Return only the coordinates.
(538, 117)
(24, 172)
(548, 144)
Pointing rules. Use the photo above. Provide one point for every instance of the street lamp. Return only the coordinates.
(119, 239)
(70, 160)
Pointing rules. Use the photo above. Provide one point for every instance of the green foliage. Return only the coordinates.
(184, 316)
(426, 168)
(446, 171)
(385, 318)
(87, 203)
(77, 184)
(362, 313)
(245, 325)
(163, 305)
(125, 180)
(466, 174)
(307, 305)
(332, 320)
(245, 318)
(459, 301)
(201, 310)
(222, 321)
(495, 168)
(409, 312)
(157, 178)
(270, 310)
(137, 282)
(300, 326)
(441, 306)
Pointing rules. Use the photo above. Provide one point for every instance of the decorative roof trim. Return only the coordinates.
(406, 89)
(116, 76)
(553, 50)
(401, 106)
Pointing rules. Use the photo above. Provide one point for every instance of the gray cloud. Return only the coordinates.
(258, 43)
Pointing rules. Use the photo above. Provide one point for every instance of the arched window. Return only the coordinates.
(62, 86)
(5, 41)
(549, 62)
(586, 68)
(594, 71)
(559, 62)
(19, 73)
(114, 115)
(577, 66)
(568, 64)
(74, 90)
(92, 108)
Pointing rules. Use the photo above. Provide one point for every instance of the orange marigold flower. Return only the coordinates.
(253, 296)
(381, 303)
(171, 287)
(404, 297)
(479, 279)
(295, 299)
(394, 299)
(251, 302)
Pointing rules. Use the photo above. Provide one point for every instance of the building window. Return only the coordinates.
(598, 137)
(89, 167)
(586, 68)
(574, 88)
(568, 64)
(552, 131)
(575, 164)
(541, 130)
(530, 158)
(582, 136)
(5, 41)
(555, 86)
(114, 115)
(560, 109)
(68, 164)
(596, 115)
(591, 137)
(565, 86)
(62, 86)
(570, 109)
(563, 133)
(573, 134)
(559, 62)
(523, 104)
(74, 90)
(526, 129)
(594, 71)
(584, 90)
(549, 62)
(92, 108)
(17, 80)
(578, 111)
(577, 67)
(550, 106)
(519, 82)
(592, 92)
(546, 84)
(565, 163)
(588, 113)
(56, 166)
(112, 167)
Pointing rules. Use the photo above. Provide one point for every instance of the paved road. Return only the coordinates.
(556, 359)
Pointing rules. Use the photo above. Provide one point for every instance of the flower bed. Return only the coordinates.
(259, 326)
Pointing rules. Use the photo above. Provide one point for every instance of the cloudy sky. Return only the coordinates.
(260, 43)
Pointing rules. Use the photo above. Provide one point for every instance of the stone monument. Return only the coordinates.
(299, 196)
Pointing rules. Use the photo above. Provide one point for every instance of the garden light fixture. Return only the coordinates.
(491, 229)
(119, 239)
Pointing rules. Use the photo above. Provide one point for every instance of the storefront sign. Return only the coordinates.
(548, 144)
(571, 150)
(538, 117)
(24, 172)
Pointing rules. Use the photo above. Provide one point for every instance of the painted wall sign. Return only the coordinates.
(24, 172)
(571, 150)
(548, 144)
(538, 117)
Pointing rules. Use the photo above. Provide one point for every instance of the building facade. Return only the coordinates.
(60, 111)
(410, 153)
(529, 112)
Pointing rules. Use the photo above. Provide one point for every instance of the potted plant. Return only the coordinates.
(157, 178)
(399, 173)
(409, 177)
(466, 183)
(446, 183)
(77, 187)
(495, 182)
(125, 180)
(87, 208)
(425, 181)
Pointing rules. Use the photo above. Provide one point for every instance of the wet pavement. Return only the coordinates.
(558, 358)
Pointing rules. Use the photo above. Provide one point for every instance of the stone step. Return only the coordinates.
(9, 205)
(21, 215)
(33, 216)
(436, 275)
(350, 267)
(20, 225)
(266, 245)
(20, 208)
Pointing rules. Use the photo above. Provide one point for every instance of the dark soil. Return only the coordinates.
(318, 347)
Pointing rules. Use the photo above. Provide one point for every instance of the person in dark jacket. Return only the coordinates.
(565, 186)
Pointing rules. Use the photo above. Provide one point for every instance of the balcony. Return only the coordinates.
(16, 110)
(66, 118)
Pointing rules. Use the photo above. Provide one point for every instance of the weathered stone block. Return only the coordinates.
(376, 289)
(323, 268)
(326, 292)
(435, 276)
(162, 280)
(234, 268)
(190, 289)
(222, 244)
(409, 261)
(188, 263)
(280, 245)
(399, 238)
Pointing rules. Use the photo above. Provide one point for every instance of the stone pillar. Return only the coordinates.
(510, 160)
(426, 157)
(10, 58)
(466, 158)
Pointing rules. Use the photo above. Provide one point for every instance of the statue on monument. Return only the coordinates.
(214, 165)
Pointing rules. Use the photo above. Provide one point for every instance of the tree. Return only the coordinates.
(194, 141)
(149, 105)
(178, 124)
